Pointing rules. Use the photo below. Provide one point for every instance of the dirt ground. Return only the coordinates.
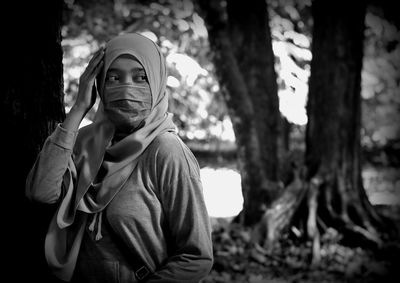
(238, 260)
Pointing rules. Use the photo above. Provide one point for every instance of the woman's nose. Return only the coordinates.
(127, 79)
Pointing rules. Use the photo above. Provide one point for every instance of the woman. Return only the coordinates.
(130, 198)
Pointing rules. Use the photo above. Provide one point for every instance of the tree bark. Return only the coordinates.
(334, 113)
(278, 216)
(248, 84)
(32, 105)
(252, 45)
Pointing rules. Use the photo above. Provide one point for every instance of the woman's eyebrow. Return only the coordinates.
(136, 69)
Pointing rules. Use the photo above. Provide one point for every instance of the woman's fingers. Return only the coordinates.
(87, 91)
(98, 67)
(97, 54)
(94, 62)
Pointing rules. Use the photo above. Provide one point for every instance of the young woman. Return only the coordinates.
(130, 198)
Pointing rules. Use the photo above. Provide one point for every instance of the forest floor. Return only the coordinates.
(237, 260)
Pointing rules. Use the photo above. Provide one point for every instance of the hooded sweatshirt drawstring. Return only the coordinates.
(98, 216)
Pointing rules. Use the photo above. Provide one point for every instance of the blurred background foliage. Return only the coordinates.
(195, 98)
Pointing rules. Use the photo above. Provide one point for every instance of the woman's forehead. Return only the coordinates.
(126, 62)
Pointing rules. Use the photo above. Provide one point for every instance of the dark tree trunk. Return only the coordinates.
(333, 130)
(32, 104)
(329, 192)
(244, 64)
(252, 45)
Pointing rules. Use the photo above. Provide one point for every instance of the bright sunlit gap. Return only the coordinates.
(222, 191)
(292, 98)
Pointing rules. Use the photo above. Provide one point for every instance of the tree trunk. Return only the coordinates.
(32, 104)
(329, 192)
(278, 216)
(252, 45)
(248, 84)
(333, 129)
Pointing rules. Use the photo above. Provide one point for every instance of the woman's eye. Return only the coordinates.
(111, 78)
(140, 78)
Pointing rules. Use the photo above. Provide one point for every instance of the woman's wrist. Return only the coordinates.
(74, 117)
(80, 109)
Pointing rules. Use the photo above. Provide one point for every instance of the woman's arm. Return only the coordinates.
(188, 221)
(190, 228)
(44, 181)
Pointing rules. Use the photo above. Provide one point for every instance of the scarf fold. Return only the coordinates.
(93, 150)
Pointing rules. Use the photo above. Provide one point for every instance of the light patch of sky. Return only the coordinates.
(292, 105)
(223, 130)
(370, 83)
(205, 99)
(198, 26)
(150, 35)
(173, 82)
(168, 45)
(196, 134)
(75, 72)
(81, 50)
(298, 38)
(182, 25)
(187, 67)
(293, 98)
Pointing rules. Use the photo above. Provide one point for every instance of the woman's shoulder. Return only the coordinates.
(168, 143)
(168, 148)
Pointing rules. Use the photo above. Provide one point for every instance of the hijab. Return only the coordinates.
(93, 150)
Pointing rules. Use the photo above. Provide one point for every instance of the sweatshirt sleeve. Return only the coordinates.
(188, 221)
(45, 179)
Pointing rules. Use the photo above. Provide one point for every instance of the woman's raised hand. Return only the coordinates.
(87, 91)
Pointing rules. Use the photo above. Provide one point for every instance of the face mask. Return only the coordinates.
(127, 106)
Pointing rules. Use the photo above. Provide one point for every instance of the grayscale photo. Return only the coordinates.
(201, 141)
